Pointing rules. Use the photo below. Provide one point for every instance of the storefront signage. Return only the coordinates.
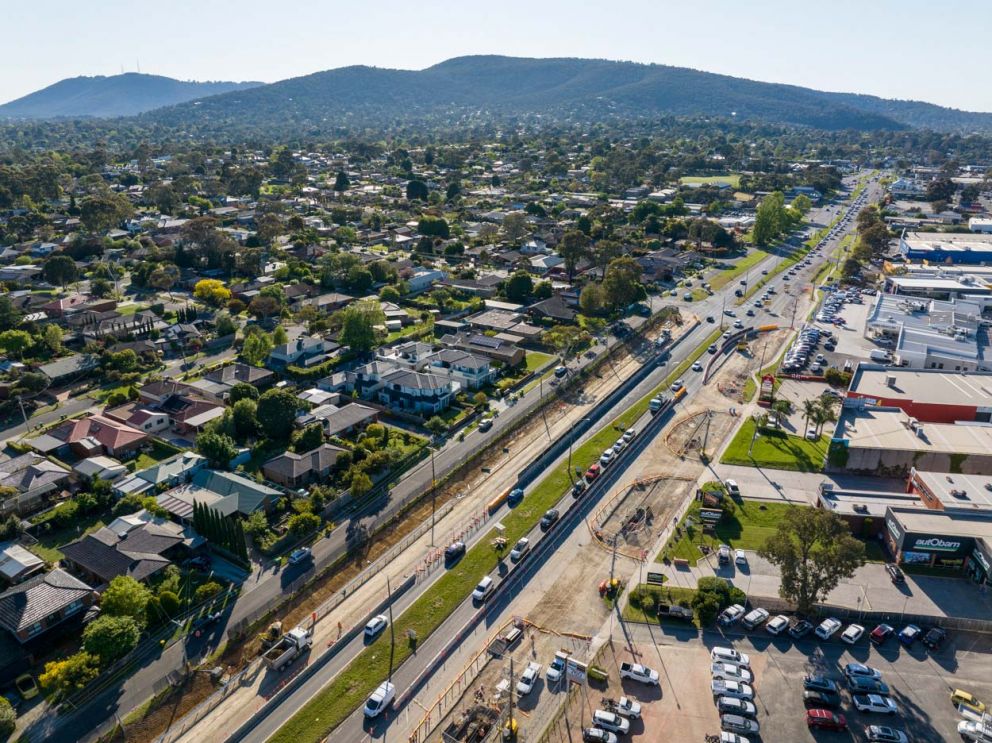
(936, 544)
(894, 530)
(980, 558)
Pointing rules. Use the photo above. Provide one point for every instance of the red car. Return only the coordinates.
(825, 719)
(880, 634)
(593, 472)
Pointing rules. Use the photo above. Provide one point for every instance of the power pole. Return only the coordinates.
(433, 494)
(392, 634)
(510, 722)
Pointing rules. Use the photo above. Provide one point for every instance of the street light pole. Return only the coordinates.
(433, 494)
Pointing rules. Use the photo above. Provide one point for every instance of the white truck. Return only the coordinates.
(880, 356)
(289, 647)
(637, 672)
(975, 732)
(625, 707)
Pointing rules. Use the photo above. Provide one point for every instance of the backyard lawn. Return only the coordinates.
(536, 359)
(50, 543)
(159, 452)
(746, 525)
(776, 450)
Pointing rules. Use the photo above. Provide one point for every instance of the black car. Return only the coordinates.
(800, 629)
(550, 517)
(819, 683)
(454, 550)
(895, 573)
(934, 638)
(710, 318)
(821, 699)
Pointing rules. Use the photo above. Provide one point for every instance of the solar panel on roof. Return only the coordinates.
(485, 341)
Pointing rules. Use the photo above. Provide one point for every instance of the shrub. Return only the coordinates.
(301, 524)
(110, 638)
(206, 591)
(8, 719)
(169, 603)
(62, 677)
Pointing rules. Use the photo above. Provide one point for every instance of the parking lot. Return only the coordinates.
(920, 682)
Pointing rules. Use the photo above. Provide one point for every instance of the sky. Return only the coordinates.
(937, 52)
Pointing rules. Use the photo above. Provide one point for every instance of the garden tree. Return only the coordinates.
(209, 589)
(263, 307)
(453, 191)
(168, 604)
(211, 291)
(417, 190)
(9, 316)
(218, 448)
(8, 719)
(515, 226)
(433, 226)
(122, 361)
(63, 677)
(358, 322)
(244, 418)
(341, 182)
(876, 238)
(276, 412)
(224, 325)
(109, 638)
(242, 391)
(770, 218)
(279, 336)
(592, 299)
(436, 425)
(809, 412)
(622, 282)
(360, 484)
(60, 269)
(543, 290)
(940, 189)
(565, 339)
(825, 411)
(712, 595)
(101, 288)
(309, 439)
(164, 277)
(51, 337)
(268, 228)
(850, 267)
(256, 347)
(480, 399)
(813, 550)
(519, 286)
(15, 342)
(301, 524)
(604, 251)
(359, 279)
(573, 248)
(101, 213)
(125, 597)
(802, 203)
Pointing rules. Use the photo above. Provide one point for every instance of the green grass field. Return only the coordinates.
(349, 689)
(776, 450)
(748, 262)
(536, 359)
(667, 594)
(746, 526)
(731, 179)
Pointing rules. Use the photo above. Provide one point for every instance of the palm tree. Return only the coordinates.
(810, 409)
(825, 413)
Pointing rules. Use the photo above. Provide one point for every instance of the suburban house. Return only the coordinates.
(189, 415)
(69, 368)
(104, 468)
(40, 603)
(138, 545)
(554, 308)
(298, 470)
(17, 563)
(339, 420)
(496, 349)
(139, 417)
(403, 389)
(226, 492)
(154, 394)
(33, 477)
(167, 473)
(468, 369)
(94, 434)
(301, 352)
(220, 381)
(424, 278)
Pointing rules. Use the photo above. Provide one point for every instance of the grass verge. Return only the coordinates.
(748, 262)
(536, 359)
(775, 450)
(647, 597)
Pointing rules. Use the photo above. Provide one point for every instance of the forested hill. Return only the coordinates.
(118, 95)
(569, 88)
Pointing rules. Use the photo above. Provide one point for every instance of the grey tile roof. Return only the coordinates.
(39, 597)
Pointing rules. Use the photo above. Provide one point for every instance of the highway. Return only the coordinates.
(356, 729)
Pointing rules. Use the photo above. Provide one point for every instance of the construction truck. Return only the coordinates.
(290, 646)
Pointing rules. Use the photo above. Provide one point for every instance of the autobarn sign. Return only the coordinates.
(934, 543)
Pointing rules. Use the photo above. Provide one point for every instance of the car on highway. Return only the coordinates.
(516, 495)
(606, 457)
(611, 721)
(550, 517)
(710, 318)
(454, 550)
(483, 590)
(380, 699)
(375, 626)
(777, 625)
(485, 424)
(677, 385)
(885, 734)
(598, 735)
(521, 548)
(300, 555)
(738, 324)
(727, 688)
(874, 703)
(824, 719)
(528, 678)
(712, 348)
(880, 634)
(561, 371)
(696, 366)
(629, 435)
(593, 472)
(852, 633)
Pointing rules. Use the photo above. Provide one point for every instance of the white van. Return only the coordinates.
(380, 699)
(486, 586)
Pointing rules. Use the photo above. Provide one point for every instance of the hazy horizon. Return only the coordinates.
(875, 49)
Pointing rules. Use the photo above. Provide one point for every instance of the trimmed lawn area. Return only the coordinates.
(49, 543)
(745, 525)
(776, 450)
(159, 452)
(731, 179)
(644, 612)
(748, 262)
(536, 359)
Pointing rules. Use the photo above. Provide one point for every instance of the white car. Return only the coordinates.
(828, 627)
(521, 548)
(731, 615)
(379, 699)
(740, 558)
(607, 457)
(732, 487)
(777, 625)
(852, 634)
(755, 618)
(629, 435)
(610, 721)
(528, 678)
(486, 586)
(735, 706)
(874, 703)
(731, 672)
(729, 655)
(556, 668)
(736, 689)
(376, 625)
(301, 555)
(860, 669)
(697, 367)
(677, 385)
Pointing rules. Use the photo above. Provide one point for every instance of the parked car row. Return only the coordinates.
(732, 685)
(869, 695)
(802, 352)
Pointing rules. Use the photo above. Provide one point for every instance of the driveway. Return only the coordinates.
(796, 487)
